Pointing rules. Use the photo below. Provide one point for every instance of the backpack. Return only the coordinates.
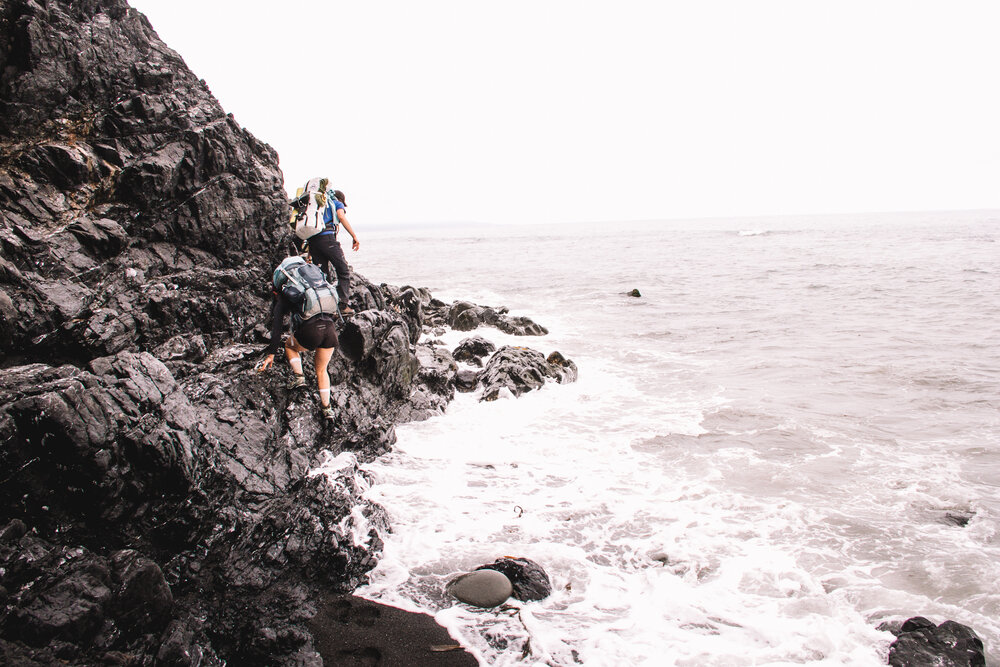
(306, 288)
(311, 208)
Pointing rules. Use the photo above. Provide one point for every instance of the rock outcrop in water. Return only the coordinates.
(950, 644)
(157, 502)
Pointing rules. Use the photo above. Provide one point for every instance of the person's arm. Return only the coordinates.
(343, 220)
(277, 320)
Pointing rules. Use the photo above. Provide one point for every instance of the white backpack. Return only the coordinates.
(311, 208)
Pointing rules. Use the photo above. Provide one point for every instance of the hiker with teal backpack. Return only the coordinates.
(300, 289)
(318, 213)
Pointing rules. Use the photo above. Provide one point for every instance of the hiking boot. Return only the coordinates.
(328, 413)
(297, 381)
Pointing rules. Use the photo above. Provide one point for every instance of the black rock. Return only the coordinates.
(529, 580)
(143, 601)
(64, 595)
(951, 644)
(959, 518)
(520, 326)
(472, 350)
(521, 369)
(466, 381)
(437, 370)
(378, 342)
(466, 316)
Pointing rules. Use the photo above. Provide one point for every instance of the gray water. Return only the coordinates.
(766, 455)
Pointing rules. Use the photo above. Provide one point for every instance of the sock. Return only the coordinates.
(296, 365)
(324, 397)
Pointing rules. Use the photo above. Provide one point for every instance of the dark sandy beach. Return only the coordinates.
(349, 630)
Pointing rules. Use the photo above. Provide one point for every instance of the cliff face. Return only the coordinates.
(156, 505)
(120, 168)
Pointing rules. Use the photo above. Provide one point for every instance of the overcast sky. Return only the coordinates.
(576, 110)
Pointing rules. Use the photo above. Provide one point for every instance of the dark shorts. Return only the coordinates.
(317, 332)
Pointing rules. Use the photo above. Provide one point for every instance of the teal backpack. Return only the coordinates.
(306, 288)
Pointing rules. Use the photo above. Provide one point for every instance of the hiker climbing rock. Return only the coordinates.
(318, 213)
(300, 289)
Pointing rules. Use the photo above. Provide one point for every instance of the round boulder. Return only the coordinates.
(482, 588)
(529, 580)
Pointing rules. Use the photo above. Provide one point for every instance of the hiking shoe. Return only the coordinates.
(297, 381)
(328, 413)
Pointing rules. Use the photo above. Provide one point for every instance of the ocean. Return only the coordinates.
(792, 436)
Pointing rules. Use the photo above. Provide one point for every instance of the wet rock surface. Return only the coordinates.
(950, 644)
(521, 369)
(529, 580)
(472, 350)
(466, 316)
(158, 502)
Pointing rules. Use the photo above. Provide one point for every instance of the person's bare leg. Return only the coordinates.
(323, 356)
(293, 353)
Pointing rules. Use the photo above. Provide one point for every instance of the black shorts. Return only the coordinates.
(320, 331)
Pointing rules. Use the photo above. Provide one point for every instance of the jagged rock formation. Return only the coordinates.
(466, 316)
(472, 350)
(156, 498)
(521, 369)
(950, 644)
(128, 193)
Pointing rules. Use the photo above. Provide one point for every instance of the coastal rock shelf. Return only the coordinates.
(160, 501)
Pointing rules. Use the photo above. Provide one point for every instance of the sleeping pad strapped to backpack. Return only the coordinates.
(306, 288)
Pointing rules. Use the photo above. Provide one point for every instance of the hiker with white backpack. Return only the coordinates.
(301, 290)
(318, 213)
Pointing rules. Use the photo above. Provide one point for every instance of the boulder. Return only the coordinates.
(950, 644)
(482, 588)
(529, 580)
(466, 381)
(521, 369)
(66, 603)
(472, 350)
(437, 370)
(143, 601)
(378, 342)
(520, 326)
(466, 316)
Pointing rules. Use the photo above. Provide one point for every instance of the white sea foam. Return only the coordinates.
(748, 471)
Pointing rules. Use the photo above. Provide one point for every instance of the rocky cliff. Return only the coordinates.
(156, 502)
